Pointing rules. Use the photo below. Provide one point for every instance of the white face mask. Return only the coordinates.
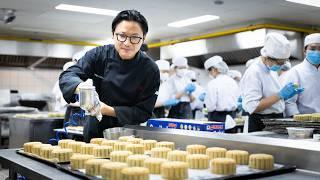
(164, 76)
(181, 72)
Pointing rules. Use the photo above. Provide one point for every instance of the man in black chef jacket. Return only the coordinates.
(126, 80)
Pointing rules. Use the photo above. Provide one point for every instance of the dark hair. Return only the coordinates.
(130, 15)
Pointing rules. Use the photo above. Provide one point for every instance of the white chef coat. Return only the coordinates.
(222, 94)
(178, 84)
(259, 82)
(197, 104)
(163, 94)
(307, 76)
(61, 104)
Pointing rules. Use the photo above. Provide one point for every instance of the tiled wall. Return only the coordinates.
(28, 81)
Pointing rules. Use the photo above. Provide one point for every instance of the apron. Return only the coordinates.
(181, 111)
(220, 116)
(255, 123)
(159, 112)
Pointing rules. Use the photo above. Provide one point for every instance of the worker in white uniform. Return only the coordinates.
(284, 69)
(235, 75)
(60, 103)
(163, 99)
(307, 75)
(198, 103)
(180, 87)
(222, 91)
(261, 91)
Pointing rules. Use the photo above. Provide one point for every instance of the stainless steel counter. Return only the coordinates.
(303, 154)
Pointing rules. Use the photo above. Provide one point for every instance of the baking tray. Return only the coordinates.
(280, 125)
(243, 171)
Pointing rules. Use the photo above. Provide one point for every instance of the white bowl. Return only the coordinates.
(299, 132)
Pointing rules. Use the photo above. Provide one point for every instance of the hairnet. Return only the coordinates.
(163, 65)
(180, 62)
(234, 73)
(276, 46)
(67, 65)
(218, 63)
(311, 39)
(78, 55)
(250, 62)
(191, 74)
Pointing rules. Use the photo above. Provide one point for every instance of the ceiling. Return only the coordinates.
(39, 18)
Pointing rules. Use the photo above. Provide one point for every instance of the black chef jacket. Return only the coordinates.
(129, 86)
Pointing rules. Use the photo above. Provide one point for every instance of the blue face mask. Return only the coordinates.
(313, 57)
(274, 68)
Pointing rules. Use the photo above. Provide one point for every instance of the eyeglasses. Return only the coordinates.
(133, 39)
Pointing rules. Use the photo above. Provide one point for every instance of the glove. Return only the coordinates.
(290, 90)
(171, 102)
(202, 96)
(239, 103)
(190, 88)
(96, 109)
(86, 83)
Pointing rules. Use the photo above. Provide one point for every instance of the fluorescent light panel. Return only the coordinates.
(89, 10)
(192, 21)
(315, 3)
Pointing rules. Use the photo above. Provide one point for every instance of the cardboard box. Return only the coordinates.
(186, 124)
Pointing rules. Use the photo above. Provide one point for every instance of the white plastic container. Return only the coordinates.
(299, 132)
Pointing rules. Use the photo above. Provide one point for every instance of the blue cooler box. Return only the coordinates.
(186, 124)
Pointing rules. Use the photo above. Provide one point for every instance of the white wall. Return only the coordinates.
(28, 81)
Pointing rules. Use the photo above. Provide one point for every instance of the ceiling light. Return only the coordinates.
(89, 10)
(192, 21)
(315, 3)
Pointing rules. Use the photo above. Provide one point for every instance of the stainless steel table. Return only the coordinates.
(30, 168)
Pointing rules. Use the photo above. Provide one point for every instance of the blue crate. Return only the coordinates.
(186, 124)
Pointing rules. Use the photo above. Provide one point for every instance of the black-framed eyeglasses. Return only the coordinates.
(133, 39)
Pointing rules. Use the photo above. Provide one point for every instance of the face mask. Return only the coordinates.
(181, 72)
(313, 57)
(274, 68)
(164, 76)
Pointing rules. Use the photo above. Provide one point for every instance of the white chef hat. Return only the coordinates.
(180, 62)
(250, 62)
(191, 74)
(163, 65)
(234, 73)
(311, 39)
(276, 46)
(78, 55)
(218, 63)
(67, 65)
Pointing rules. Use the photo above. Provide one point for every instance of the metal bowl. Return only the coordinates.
(115, 133)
